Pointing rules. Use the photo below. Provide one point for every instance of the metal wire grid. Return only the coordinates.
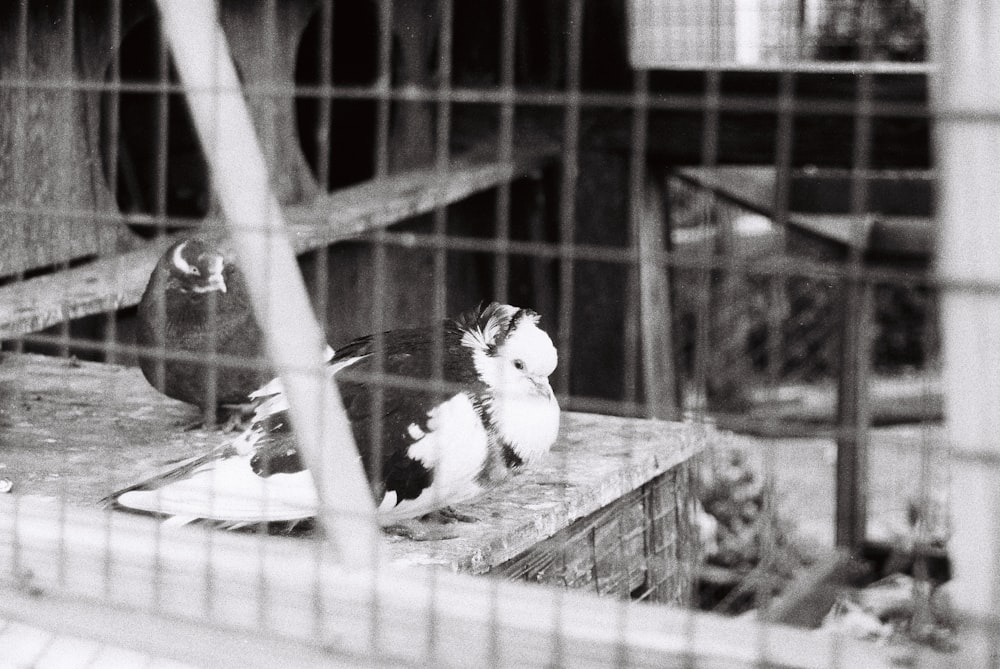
(573, 100)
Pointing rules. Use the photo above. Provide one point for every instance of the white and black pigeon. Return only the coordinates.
(438, 446)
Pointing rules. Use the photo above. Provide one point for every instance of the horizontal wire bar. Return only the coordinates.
(541, 98)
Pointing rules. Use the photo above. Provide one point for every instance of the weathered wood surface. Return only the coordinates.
(77, 431)
(53, 194)
(117, 281)
(641, 546)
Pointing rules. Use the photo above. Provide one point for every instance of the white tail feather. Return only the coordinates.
(229, 490)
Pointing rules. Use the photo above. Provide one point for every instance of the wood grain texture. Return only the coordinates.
(640, 546)
(53, 190)
(117, 281)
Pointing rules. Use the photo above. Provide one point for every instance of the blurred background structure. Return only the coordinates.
(757, 230)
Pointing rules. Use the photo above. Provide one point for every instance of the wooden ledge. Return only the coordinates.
(78, 430)
(753, 187)
(115, 282)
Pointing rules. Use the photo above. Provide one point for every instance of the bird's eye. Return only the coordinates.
(195, 271)
(519, 365)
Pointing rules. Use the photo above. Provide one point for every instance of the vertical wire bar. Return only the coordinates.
(505, 141)
(383, 88)
(928, 513)
(445, 12)
(20, 159)
(271, 153)
(111, 152)
(441, 160)
(501, 260)
(20, 132)
(567, 239)
(322, 270)
(160, 195)
(636, 214)
(158, 347)
(567, 192)
(703, 313)
(68, 96)
(162, 136)
(73, 96)
(213, 156)
(380, 288)
(784, 144)
(321, 274)
(706, 203)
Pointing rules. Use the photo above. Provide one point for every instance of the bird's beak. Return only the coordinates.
(542, 386)
(214, 282)
(217, 282)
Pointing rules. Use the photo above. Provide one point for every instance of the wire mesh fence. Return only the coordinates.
(723, 212)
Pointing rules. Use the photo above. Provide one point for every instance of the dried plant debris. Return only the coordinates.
(738, 522)
(896, 609)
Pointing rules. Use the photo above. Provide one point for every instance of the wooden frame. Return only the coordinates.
(242, 600)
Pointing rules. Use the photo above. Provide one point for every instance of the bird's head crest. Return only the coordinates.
(488, 327)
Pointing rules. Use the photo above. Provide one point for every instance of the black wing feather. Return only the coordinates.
(382, 433)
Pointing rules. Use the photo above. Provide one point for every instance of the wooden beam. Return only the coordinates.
(659, 379)
(117, 281)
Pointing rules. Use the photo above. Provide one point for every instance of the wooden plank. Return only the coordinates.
(278, 587)
(76, 431)
(118, 281)
(812, 593)
(752, 187)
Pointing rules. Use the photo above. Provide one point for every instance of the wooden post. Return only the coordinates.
(658, 380)
(294, 340)
(966, 103)
(855, 316)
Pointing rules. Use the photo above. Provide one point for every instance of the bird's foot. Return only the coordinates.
(419, 530)
(237, 417)
(228, 418)
(448, 514)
